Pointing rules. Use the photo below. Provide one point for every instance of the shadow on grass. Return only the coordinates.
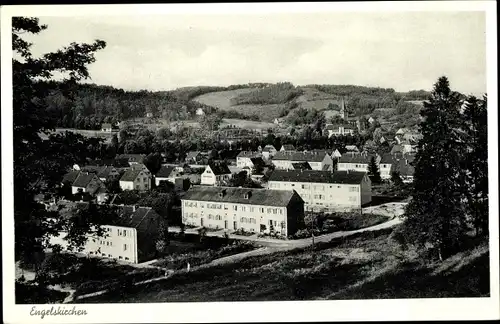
(31, 294)
(471, 280)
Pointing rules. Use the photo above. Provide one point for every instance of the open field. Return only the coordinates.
(363, 266)
(221, 99)
(88, 133)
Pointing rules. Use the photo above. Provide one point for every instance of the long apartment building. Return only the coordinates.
(324, 190)
(253, 210)
(356, 162)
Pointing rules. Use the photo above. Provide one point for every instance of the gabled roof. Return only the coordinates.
(249, 154)
(263, 197)
(164, 171)
(83, 179)
(130, 175)
(70, 177)
(300, 156)
(269, 148)
(404, 167)
(396, 149)
(258, 161)
(100, 171)
(386, 158)
(351, 148)
(314, 176)
(219, 168)
(192, 155)
(355, 158)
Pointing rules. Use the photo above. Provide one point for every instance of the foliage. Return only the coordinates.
(373, 171)
(436, 217)
(36, 160)
(272, 94)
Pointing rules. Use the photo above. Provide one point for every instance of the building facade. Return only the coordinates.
(317, 160)
(244, 158)
(252, 210)
(136, 179)
(325, 191)
(215, 174)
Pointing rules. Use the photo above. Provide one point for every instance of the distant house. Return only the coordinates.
(104, 173)
(106, 128)
(215, 174)
(412, 136)
(244, 158)
(130, 238)
(149, 115)
(132, 158)
(385, 166)
(401, 131)
(287, 148)
(136, 179)
(268, 151)
(200, 112)
(403, 164)
(70, 177)
(193, 157)
(351, 148)
(356, 162)
(371, 120)
(336, 154)
(86, 182)
(339, 130)
(317, 160)
(164, 174)
(278, 121)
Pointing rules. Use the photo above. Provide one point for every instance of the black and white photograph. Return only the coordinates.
(190, 157)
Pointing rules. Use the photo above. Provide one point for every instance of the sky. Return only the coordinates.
(400, 50)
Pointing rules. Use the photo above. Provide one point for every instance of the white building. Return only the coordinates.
(106, 128)
(244, 158)
(164, 174)
(318, 160)
(132, 237)
(253, 210)
(136, 179)
(268, 151)
(339, 130)
(385, 166)
(324, 190)
(104, 173)
(287, 147)
(356, 162)
(200, 112)
(215, 175)
(86, 182)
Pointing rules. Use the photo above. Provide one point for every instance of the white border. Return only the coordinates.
(366, 310)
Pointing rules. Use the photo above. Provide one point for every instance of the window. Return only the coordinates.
(235, 208)
(225, 207)
(124, 247)
(252, 209)
(275, 211)
(124, 233)
(107, 243)
(126, 258)
(269, 210)
(120, 257)
(243, 208)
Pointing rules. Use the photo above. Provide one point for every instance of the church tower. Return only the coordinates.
(343, 113)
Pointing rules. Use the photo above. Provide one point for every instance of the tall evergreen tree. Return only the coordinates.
(476, 160)
(435, 215)
(373, 171)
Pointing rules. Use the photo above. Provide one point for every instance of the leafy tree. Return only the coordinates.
(396, 178)
(476, 159)
(35, 158)
(153, 162)
(210, 122)
(435, 217)
(373, 171)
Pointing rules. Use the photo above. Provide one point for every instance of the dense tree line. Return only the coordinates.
(279, 93)
(450, 191)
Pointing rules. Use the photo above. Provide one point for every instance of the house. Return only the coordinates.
(301, 166)
(104, 173)
(136, 179)
(131, 237)
(356, 162)
(251, 210)
(278, 121)
(193, 157)
(385, 166)
(339, 130)
(70, 177)
(106, 127)
(200, 112)
(412, 136)
(287, 148)
(86, 182)
(324, 190)
(371, 120)
(164, 174)
(149, 115)
(336, 154)
(317, 160)
(408, 146)
(401, 131)
(404, 166)
(215, 174)
(268, 151)
(132, 158)
(243, 159)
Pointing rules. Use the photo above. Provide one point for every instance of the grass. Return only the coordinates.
(363, 266)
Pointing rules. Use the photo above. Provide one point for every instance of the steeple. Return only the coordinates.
(343, 114)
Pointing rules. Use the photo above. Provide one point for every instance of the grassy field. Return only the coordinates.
(221, 99)
(363, 266)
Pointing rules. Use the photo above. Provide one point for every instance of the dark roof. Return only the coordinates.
(314, 176)
(300, 156)
(100, 171)
(336, 126)
(301, 166)
(164, 171)
(70, 177)
(396, 149)
(355, 158)
(288, 147)
(387, 158)
(404, 167)
(117, 163)
(258, 161)
(262, 197)
(106, 125)
(249, 154)
(132, 157)
(83, 179)
(130, 175)
(219, 168)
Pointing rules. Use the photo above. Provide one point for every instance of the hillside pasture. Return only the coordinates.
(221, 99)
